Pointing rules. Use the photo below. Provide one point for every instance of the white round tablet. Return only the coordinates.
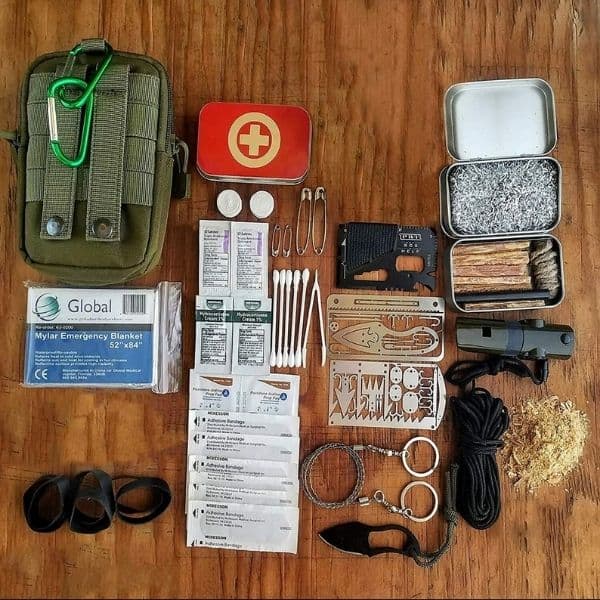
(262, 204)
(229, 203)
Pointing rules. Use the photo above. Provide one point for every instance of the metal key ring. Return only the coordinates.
(408, 513)
(436, 460)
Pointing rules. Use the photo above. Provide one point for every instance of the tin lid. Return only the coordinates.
(504, 118)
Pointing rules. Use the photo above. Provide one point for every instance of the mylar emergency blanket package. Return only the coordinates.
(120, 337)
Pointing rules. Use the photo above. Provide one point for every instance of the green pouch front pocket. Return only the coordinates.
(115, 187)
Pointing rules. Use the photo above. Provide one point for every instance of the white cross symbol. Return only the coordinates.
(254, 140)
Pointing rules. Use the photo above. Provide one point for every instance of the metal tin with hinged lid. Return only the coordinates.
(449, 270)
(500, 132)
(503, 184)
(253, 143)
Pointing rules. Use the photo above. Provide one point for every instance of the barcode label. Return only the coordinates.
(134, 304)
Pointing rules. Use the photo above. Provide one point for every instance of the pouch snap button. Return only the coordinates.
(55, 226)
(102, 228)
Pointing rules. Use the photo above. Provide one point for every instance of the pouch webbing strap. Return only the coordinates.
(37, 127)
(142, 131)
(60, 181)
(89, 45)
(105, 188)
(140, 143)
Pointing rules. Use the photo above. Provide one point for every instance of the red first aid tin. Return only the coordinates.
(260, 143)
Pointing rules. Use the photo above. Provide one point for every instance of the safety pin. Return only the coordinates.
(276, 241)
(305, 196)
(286, 248)
(321, 195)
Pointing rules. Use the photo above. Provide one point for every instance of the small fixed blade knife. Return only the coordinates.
(353, 538)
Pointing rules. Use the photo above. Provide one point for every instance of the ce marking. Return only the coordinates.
(41, 374)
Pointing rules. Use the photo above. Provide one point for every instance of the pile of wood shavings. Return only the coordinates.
(544, 442)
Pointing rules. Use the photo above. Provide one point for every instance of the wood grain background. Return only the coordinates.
(372, 74)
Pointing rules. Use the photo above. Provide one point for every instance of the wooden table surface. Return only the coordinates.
(372, 75)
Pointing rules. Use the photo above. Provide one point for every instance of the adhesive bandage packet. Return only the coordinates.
(119, 337)
(213, 334)
(252, 447)
(208, 492)
(243, 468)
(242, 526)
(242, 474)
(237, 423)
(231, 477)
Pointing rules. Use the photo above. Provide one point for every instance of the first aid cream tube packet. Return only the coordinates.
(214, 332)
(242, 526)
(116, 337)
(251, 336)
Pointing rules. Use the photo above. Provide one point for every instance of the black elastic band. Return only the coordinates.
(161, 499)
(35, 494)
(464, 372)
(95, 487)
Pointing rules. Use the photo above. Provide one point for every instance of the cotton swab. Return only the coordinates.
(286, 330)
(279, 361)
(273, 358)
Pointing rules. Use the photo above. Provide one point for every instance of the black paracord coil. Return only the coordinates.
(480, 420)
(464, 372)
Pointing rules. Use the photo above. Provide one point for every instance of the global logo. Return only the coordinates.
(46, 307)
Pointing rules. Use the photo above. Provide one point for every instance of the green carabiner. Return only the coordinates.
(57, 90)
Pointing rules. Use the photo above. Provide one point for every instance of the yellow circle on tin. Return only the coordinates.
(253, 141)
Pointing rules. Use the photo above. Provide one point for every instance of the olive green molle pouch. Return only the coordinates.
(97, 164)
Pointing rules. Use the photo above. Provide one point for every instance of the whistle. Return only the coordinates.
(531, 339)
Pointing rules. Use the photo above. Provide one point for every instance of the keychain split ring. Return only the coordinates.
(408, 513)
(353, 497)
(436, 460)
